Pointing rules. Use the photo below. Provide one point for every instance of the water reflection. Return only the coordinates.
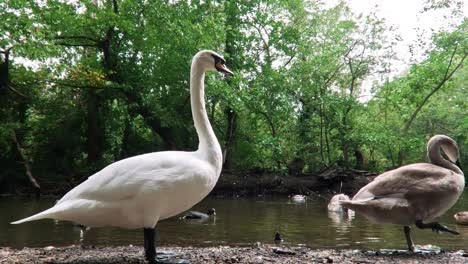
(341, 219)
(239, 221)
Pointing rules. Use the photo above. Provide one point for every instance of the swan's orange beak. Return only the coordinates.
(222, 68)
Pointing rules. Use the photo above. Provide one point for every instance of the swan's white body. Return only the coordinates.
(414, 192)
(139, 191)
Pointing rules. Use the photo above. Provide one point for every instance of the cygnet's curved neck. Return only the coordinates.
(435, 156)
(209, 144)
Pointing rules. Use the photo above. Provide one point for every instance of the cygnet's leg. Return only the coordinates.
(409, 241)
(436, 227)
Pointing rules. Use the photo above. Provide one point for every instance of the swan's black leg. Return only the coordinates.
(150, 250)
(409, 241)
(436, 227)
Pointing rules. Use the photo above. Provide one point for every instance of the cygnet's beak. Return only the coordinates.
(222, 68)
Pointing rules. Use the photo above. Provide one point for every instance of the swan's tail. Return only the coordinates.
(353, 205)
(49, 213)
(350, 202)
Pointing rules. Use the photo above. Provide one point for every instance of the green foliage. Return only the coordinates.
(92, 82)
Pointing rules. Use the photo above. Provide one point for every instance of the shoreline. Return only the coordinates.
(249, 184)
(260, 253)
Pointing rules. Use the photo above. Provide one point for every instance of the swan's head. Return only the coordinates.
(210, 61)
(448, 146)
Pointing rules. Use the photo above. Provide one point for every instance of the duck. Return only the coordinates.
(140, 191)
(194, 215)
(414, 193)
(461, 218)
(278, 240)
(298, 198)
(335, 206)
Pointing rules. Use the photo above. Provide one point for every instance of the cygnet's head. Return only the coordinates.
(211, 61)
(448, 145)
(211, 211)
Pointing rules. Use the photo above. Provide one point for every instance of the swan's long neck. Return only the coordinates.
(435, 156)
(209, 145)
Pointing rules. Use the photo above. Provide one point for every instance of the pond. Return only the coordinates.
(239, 221)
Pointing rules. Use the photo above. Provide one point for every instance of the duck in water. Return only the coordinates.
(194, 215)
(278, 240)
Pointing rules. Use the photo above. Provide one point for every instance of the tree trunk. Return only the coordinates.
(359, 159)
(231, 118)
(4, 72)
(94, 131)
(232, 25)
(345, 149)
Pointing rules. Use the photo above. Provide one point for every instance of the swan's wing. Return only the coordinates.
(173, 180)
(140, 174)
(415, 179)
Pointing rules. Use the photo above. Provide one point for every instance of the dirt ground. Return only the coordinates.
(223, 254)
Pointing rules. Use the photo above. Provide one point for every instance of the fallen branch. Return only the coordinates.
(27, 166)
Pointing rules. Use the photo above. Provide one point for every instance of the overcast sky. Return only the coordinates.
(407, 18)
(406, 15)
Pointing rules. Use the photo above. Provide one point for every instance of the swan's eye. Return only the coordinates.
(220, 65)
(218, 59)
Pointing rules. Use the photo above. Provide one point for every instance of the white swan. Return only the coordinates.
(414, 193)
(139, 191)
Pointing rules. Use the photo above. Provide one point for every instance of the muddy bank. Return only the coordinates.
(326, 183)
(223, 254)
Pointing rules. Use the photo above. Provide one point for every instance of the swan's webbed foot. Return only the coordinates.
(409, 241)
(169, 257)
(436, 227)
(166, 260)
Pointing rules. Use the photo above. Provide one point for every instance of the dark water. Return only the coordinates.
(239, 221)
